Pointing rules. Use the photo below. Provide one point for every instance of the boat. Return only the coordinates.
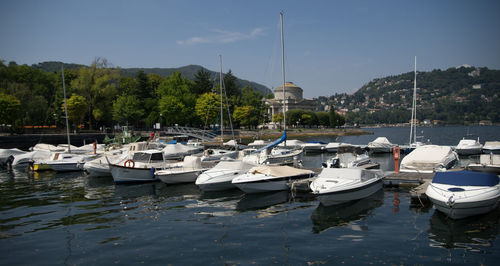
(314, 146)
(269, 178)
(7, 155)
(258, 143)
(381, 145)
(65, 162)
(338, 185)
(332, 147)
(191, 168)
(429, 159)
(177, 151)
(218, 154)
(100, 165)
(349, 156)
(487, 163)
(491, 147)
(140, 168)
(220, 177)
(468, 147)
(292, 144)
(26, 159)
(460, 194)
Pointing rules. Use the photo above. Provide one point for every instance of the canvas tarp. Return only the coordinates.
(428, 156)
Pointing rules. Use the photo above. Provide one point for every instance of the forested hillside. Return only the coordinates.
(462, 95)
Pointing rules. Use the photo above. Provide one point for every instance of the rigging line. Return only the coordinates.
(227, 107)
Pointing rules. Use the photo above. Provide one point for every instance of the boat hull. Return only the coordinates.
(468, 151)
(170, 177)
(339, 197)
(469, 202)
(66, 167)
(123, 174)
(263, 183)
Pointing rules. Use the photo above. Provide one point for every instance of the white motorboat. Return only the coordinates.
(190, 170)
(333, 147)
(349, 157)
(220, 177)
(25, 159)
(337, 185)
(274, 156)
(100, 165)
(491, 147)
(429, 159)
(7, 155)
(270, 178)
(66, 162)
(487, 163)
(461, 194)
(468, 147)
(381, 145)
(258, 143)
(140, 168)
(314, 146)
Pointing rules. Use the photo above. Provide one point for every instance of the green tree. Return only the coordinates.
(127, 109)
(278, 118)
(10, 107)
(246, 116)
(208, 107)
(323, 119)
(202, 82)
(172, 110)
(77, 107)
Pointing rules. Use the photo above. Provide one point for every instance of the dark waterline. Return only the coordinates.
(50, 218)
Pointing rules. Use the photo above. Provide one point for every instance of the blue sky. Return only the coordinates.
(330, 46)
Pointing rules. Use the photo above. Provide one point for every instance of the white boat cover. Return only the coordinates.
(279, 171)
(191, 162)
(4, 153)
(491, 145)
(231, 165)
(489, 159)
(293, 142)
(178, 148)
(47, 147)
(381, 140)
(428, 157)
(230, 143)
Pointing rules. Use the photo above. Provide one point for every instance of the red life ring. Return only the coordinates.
(129, 163)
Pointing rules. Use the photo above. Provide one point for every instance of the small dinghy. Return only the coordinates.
(337, 185)
(462, 194)
(270, 178)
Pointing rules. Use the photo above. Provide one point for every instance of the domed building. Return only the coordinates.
(293, 100)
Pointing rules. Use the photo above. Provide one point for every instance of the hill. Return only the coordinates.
(186, 71)
(458, 95)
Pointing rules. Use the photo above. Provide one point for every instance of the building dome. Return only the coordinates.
(292, 92)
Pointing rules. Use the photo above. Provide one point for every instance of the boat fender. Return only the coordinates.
(129, 163)
(152, 172)
(450, 201)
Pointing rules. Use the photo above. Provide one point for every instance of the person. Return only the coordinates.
(152, 135)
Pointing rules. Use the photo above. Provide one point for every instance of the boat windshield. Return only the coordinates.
(146, 157)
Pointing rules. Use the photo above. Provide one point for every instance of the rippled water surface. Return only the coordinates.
(49, 218)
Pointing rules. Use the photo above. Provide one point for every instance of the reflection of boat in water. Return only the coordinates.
(137, 190)
(469, 233)
(262, 200)
(345, 213)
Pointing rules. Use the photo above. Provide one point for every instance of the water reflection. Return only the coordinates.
(473, 233)
(325, 217)
(259, 201)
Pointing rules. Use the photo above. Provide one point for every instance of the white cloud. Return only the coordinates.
(223, 36)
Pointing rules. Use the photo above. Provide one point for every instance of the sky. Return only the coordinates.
(330, 46)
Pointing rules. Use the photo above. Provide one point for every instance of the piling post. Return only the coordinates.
(396, 155)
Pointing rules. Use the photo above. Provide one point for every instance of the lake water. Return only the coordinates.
(49, 218)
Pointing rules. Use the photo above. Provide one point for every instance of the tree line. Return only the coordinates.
(98, 97)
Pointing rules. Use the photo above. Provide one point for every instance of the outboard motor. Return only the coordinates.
(9, 162)
(335, 163)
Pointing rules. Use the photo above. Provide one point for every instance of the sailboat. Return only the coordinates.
(64, 162)
(218, 154)
(268, 178)
(269, 154)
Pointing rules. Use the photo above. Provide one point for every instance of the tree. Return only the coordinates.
(172, 110)
(202, 82)
(246, 116)
(336, 120)
(77, 107)
(323, 119)
(9, 109)
(207, 107)
(278, 118)
(127, 109)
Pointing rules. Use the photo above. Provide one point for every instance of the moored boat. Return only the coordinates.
(429, 159)
(191, 168)
(468, 147)
(491, 147)
(220, 177)
(140, 168)
(381, 145)
(337, 185)
(461, 194)
(487, 163)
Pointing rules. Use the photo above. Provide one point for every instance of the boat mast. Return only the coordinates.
(221, 109)
(413, 126)
(66, 110)
(283, 71)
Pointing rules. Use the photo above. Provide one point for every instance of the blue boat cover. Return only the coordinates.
(466, 178)
(273, 144)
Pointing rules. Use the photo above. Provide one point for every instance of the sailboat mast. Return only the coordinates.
(412, 121)
(415, 101)
(66, 110)
(221, 109)
(283, 70)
